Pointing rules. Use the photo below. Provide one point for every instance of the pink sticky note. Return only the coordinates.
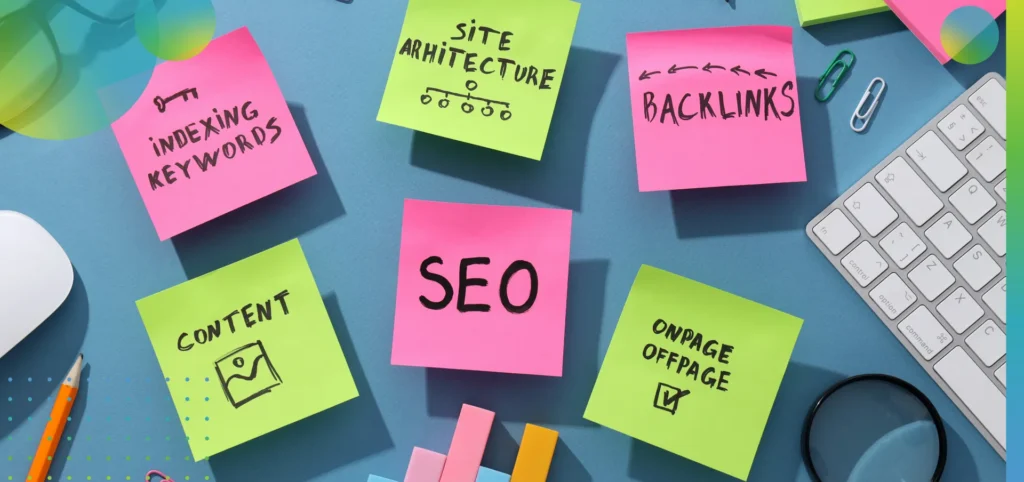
(482, 288)
(211, 134)
(925, 19)
(424, 466)
(715, 107)
(467, 449)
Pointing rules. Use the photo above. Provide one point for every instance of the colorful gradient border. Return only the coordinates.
(1015, 233)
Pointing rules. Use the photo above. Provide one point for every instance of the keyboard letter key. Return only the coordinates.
(909, 191)
(990, 100)
(937, 161)
(1001, 374)
(1001, 189)
(893, 296)
(931, 277)
(960, 310)
(870, 209)
(988, 342)
(925, 333)
(996, 299)
(864, 264)
(977, 267)
(836, 231)
(975, 389)
(948, 235)
(972, 200)
(989, 158)
(961, 127)
(994, 233)
(902, 245)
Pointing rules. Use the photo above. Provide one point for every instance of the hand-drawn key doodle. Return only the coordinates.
(467, 106)
(241, 375)
(161, 103)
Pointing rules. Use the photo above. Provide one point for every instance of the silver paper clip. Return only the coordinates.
(859, 114)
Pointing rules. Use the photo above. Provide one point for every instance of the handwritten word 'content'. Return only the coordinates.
(503, 65)
(248, 315)
(684, 365)
(751, 103)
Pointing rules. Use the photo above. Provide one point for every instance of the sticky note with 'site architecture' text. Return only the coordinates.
(485, 73)
(247, 349)
(693, 370)
(482, 288)
(211, 134)
(715, 107)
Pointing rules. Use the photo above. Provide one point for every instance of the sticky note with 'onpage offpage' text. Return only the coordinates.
(211, 134)
(247, 349)
(926, 19)
(693, 370)
(482, 288)
(485, 73)
(715, 107)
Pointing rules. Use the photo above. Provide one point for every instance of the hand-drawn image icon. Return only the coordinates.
(667, 397)
(161, 102)
(467, 106)
(246, 373)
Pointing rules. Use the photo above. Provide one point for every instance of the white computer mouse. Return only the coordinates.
(35, 277)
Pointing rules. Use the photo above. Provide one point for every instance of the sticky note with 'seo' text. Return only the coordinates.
(693, 370)
(715, 107)
(485, 73)
(247, 349)
(211, 134)
(482, 288)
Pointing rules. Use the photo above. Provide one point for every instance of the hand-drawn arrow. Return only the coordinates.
(673, 69)
(646, 75)
(763, 73)
(736, 70)
(707, 68)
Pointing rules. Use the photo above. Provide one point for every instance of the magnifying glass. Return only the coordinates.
(871, 428)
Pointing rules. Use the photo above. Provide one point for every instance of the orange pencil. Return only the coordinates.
(55, 427)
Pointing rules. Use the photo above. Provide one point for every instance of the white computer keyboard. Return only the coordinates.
(922, 238)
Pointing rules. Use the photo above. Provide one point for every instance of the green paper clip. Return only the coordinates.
(844, 70)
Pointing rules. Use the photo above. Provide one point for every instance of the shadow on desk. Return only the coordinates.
(502, 449)
(769, 207)
(267, 222)
(318, 444)
(514, 397)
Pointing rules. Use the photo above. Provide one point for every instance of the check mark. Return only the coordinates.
(670, 400)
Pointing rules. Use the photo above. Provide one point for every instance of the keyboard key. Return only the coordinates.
(948, 235)
(864, 264)
(893, 296)
(976, 390)
(931, 278)
(977, 267)
(836, 231)
(1001, 189)
(994, 233)
(990, 100)
(1001, 374)
(996, 299)
(909, 191)
(960, 310)
(989, 158)
(925, 333)
(902, 245)
(870, 209)
(937, 161)
(988, 342)
(972, 200)
(961, 127)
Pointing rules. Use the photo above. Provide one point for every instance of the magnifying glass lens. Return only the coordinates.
(871, 431)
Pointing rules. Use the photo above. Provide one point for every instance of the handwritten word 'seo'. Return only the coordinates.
(465, 281)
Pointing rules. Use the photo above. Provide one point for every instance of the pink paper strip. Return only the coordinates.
(424, 466)
(467, 450)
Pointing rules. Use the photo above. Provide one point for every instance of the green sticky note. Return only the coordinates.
(812, 12)
(693, 370)
(482, 72)
(247, 349)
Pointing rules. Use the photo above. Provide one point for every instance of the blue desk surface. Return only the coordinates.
(331, 60)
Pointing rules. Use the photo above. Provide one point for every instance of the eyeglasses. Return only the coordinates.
(31, 64)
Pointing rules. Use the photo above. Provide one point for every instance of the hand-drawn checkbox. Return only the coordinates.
(246, 374)
(667, 397)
